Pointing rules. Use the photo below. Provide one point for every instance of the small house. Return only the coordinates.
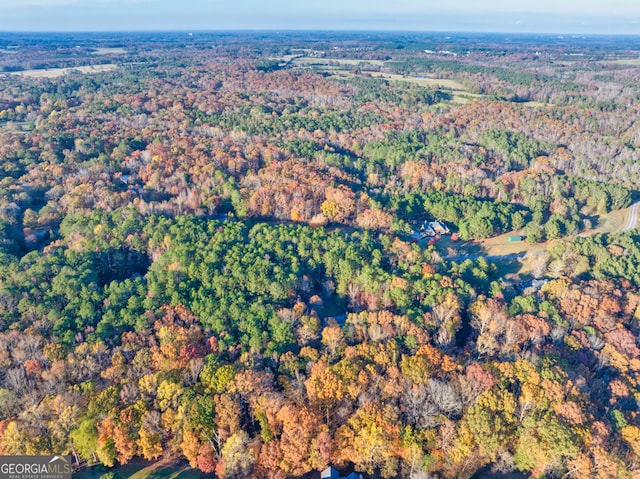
(438, 227)
(515, 238)
(426, 230)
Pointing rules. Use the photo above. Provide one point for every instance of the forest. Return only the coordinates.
(210, 253)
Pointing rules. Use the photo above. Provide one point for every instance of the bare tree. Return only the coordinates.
(445, 397)
(16, 380)
(129, 393)
(195, 368)
(539, 263)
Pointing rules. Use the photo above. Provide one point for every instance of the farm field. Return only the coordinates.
(58, 72)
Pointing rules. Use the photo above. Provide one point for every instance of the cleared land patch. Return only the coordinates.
(109, 51)
(16, 126)
(341, 61)
(626, 61)
(58, 72)
(500, 245)
(507, 255)
(533, 104)
(139, 469)
(285, 58)
(333, 66)
(611, 222)
(438, 83)
(423, 81)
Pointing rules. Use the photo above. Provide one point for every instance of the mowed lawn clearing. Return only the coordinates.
(611, 222)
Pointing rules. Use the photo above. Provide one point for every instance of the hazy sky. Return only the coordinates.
(554, 16)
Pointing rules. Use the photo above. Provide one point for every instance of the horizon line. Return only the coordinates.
(322, 30)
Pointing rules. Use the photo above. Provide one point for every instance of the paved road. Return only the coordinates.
(632, 221)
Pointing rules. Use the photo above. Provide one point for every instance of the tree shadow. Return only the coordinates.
(485, 473)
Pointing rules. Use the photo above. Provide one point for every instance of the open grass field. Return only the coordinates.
(500, 246)
(464, 97)
(109, 51)
(510, 258)
(518, 257)
(16, 126)
(627, 61)
(58, 72)
(535, 104)
(611, 222)
(286, 58)
(459, 92)
(460, 95)
(341, 61)
(423, 81)
(139, 469)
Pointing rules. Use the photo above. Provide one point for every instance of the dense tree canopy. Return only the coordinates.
(210, 252)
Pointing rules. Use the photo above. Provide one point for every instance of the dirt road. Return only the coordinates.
(632, 221)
